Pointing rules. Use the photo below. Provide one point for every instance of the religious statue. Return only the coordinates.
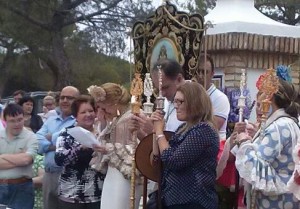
(136, 91)
(148, 91)
(163, 53)
(148, 87)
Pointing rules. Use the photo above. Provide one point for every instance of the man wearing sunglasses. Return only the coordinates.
(47, 136)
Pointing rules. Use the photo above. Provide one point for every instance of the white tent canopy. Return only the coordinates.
(242, 16)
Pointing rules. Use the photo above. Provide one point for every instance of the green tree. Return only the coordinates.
(285, 11)
(7, 58)
(44, 26)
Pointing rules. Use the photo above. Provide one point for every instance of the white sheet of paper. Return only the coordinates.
(83, 136)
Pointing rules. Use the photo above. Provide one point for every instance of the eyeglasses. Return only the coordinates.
(178, 102)
(69, 98)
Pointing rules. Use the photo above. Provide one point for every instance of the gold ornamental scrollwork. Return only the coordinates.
(171, 34)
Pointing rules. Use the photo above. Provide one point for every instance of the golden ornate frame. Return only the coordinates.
(177, 34)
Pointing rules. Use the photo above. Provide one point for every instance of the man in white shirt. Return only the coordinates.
(172, 78)
(221, 108)
(219, 100)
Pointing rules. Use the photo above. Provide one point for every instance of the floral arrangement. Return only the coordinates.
(233, 94)
(97, 92)
(284, 72)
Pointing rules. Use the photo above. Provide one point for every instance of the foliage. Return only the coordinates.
(89, 67)
(197, 6)
(43, 27)
(285, 11)
(284, 72)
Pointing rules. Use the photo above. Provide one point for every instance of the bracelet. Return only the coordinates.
(159, 136)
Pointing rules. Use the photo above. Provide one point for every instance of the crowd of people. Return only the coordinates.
(44, 165)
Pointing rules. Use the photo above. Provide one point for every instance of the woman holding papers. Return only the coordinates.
(79, 185)
(114, 100)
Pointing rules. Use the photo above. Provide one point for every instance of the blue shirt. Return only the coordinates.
(52, 125)
(189, 167)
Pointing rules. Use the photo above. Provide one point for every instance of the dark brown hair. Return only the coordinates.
(171, 68)
(79, 101)
(286, 98)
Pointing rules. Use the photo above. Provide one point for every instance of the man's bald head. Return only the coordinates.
(66, 98)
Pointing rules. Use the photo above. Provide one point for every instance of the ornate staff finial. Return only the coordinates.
(160, 99)
(269, 86)
(242, 98)
(136, 91)
(148, 91)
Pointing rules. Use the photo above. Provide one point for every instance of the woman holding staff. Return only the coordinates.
(189, 158)
(267, 163)
(116, 158)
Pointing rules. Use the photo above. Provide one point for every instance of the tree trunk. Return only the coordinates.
(4, 66)
(60, 66)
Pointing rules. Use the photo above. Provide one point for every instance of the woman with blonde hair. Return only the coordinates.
(190, 157)
(114, 100)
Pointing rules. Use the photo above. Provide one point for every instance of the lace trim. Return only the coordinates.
(119, 157)
(259, 174)
(292, 185)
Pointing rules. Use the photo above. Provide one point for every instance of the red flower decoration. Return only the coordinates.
(260, 81)
(297, 178)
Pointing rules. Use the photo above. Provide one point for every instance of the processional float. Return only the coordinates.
(170, 34)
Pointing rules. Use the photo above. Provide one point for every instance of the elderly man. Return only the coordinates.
(18, 146)
(48, 108)
(47, 136)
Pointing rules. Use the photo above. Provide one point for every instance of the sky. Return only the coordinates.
(157, 3)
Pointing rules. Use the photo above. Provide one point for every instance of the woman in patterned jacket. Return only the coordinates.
(80, 186)
(267, 163)
(190, 157)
